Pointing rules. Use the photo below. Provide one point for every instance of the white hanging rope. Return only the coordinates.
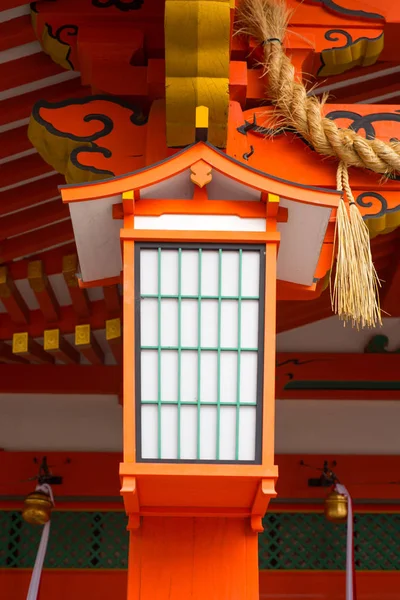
(350, 569)
(37, 569)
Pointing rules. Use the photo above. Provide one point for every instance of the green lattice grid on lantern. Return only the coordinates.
(291, 541)
(78, 540)
(199, 349)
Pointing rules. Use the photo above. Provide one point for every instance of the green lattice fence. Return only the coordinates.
(78, 540)
(295, 541)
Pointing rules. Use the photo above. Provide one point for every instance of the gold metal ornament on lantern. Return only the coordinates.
(336, 507)
(37, 508)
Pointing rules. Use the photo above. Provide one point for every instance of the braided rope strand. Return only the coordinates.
(354, 295)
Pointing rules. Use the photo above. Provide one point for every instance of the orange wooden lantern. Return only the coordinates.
(199, 259)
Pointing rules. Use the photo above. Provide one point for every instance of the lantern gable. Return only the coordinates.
(198, 189)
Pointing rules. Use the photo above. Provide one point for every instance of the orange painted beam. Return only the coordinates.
(30, 349)
(30, 194)
(65, 584)
(91, 474)
(35, 241)
(43, 291)
(32, 218)
(274, 585)
(327, 585)
(390, 297)
(87, 344)
(64, 379)
(325, 376)
(12, 299)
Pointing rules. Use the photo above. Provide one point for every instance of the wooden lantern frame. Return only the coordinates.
(198, 489)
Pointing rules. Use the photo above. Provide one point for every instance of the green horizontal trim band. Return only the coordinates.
(196, 348)
(194, 297)
(343, 385)
(195, 403)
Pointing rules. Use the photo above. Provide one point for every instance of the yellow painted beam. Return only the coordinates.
(197, 38)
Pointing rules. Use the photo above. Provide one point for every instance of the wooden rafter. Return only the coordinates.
(55, 344)
(32, 218)
(7, 356)
(26, 69)
(11, 298)
(35, 241)
(14, 141)
(30, 194)
(16, 32)
(112, 300)
(52, 262)
(30, 349)
(43, 291)
(88, 345)
(67, 322)
(23, 168)
(79, 297)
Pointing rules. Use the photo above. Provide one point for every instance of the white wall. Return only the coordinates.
(94, 423)
(330, 335)
(337, 427)
(60, 422)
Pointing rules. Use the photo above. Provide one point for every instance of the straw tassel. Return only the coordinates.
(355, 295)
(355, 292)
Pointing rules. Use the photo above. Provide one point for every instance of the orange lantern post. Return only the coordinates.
(198, 252)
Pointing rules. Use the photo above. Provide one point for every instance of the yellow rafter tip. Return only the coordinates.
(20, 343)
(82, 335)
(113, 329)
(51, 339)
(273, 198)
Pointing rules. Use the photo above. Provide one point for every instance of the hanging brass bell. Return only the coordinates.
(336, 507)
(37, 508)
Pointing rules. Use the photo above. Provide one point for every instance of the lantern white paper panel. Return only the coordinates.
(199, 353)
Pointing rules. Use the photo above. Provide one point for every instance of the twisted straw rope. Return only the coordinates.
(266, 21)
(355, 291)
(304, 113)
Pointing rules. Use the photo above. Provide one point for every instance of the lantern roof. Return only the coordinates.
(156, 174)
(243, 190)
